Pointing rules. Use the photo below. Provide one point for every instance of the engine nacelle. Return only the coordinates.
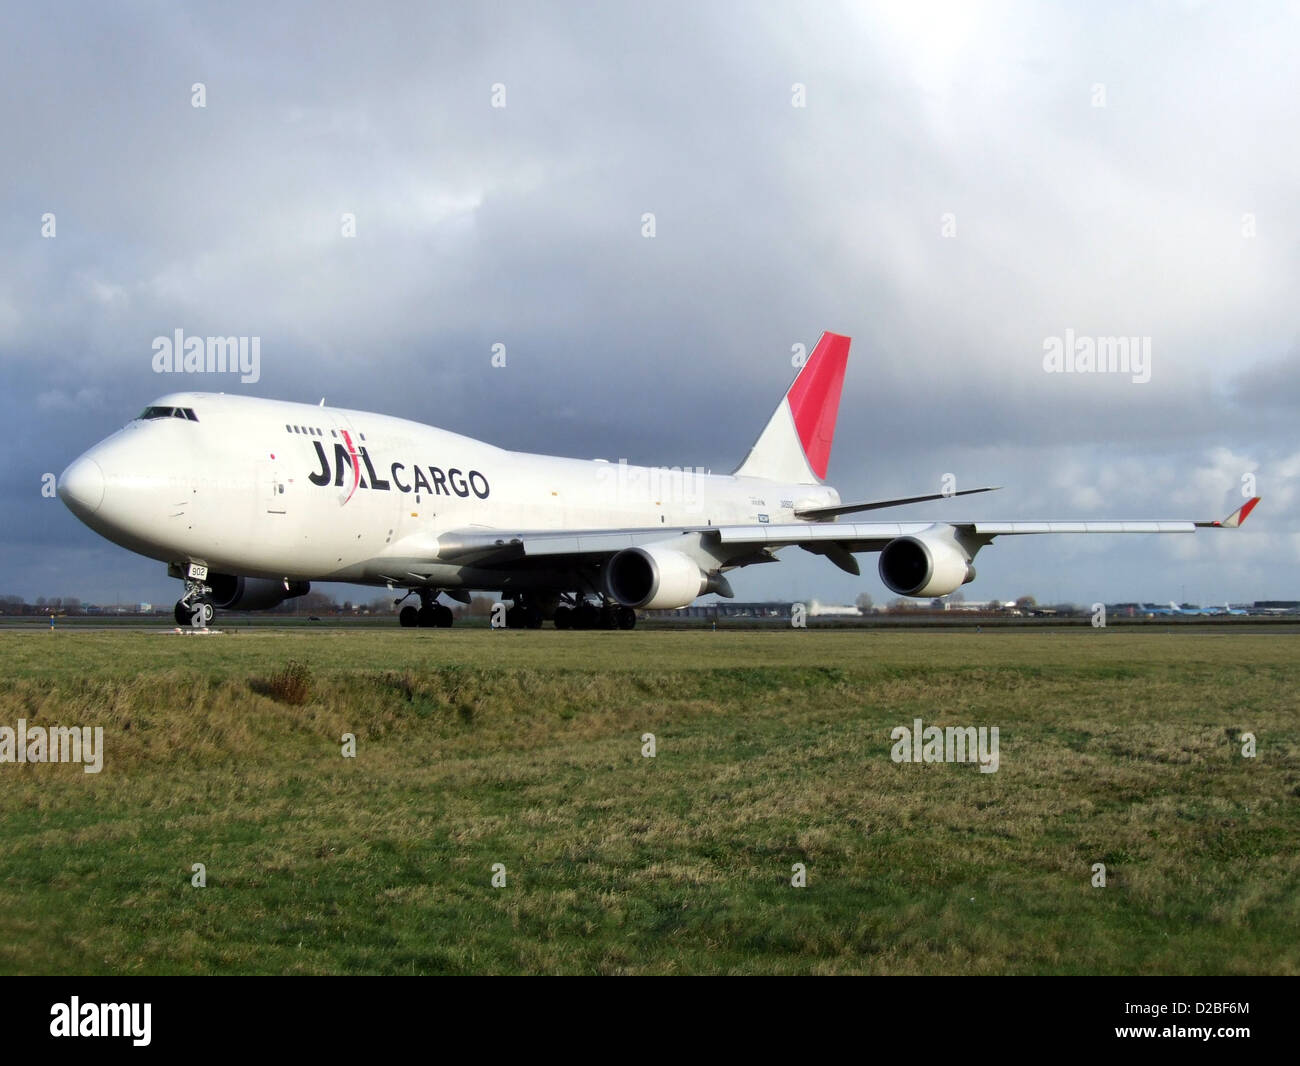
(923, 566)
(654, 577)
(230, 592)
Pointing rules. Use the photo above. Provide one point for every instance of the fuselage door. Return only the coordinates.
(272, 487)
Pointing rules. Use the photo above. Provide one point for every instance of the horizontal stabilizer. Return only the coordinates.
(876, 505)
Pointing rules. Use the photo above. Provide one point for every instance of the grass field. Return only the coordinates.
(773, 748)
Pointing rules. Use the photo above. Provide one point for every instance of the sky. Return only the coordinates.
(957, 186)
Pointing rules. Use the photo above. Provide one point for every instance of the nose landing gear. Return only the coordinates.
(194, 608)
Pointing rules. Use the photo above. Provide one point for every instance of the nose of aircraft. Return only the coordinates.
(81, 486)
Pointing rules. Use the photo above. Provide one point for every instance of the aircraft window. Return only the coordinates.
(288, 428)
(189, 413)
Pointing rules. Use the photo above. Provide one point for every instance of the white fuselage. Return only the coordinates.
(279, 490)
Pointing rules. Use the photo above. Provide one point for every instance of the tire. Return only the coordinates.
(409, 617)
(426, 617)
(564, 618)
(182, 614)
(442, 616)
(626, 618)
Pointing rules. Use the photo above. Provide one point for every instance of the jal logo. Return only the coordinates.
(349, 461)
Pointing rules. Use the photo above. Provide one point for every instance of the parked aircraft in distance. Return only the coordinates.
(1187, 609)
(249, 500)
(1154, 610)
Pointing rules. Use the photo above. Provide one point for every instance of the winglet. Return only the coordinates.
(1237, 517)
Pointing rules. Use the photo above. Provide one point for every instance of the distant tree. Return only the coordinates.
(864, 602)
(899, 603)
(40, 601)
(480, 606)
(311, 603)
(995, 605)
(1026, 603)
(957, 597)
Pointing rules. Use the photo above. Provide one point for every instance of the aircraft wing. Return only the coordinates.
(742, 544)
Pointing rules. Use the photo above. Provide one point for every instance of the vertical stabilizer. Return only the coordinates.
(796, 445)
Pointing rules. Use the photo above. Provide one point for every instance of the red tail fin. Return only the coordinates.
(796, 444)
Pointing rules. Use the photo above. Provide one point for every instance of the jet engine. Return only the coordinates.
(925, 566)
(232, 593)
(658, 577)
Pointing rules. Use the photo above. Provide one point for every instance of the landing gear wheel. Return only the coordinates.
(586, 617)
(564, 618)
(197, 615)
(409, 617)
(626, 618)
(515, 618)
(426, 615)
(442, 617)
(533, 617)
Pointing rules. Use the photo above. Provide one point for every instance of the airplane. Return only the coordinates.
(249, 500)
(1225, 609)
(1151, 610)
(1188, 610)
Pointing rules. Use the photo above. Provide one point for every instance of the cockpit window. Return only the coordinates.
(186, 413)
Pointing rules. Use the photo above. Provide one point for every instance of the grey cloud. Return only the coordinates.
(522, 226)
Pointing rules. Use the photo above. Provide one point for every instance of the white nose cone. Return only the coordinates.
(81, 487)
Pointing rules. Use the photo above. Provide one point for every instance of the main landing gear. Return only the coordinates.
(194, 608)
(584, 614)
(524, 616)
(429, 615)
